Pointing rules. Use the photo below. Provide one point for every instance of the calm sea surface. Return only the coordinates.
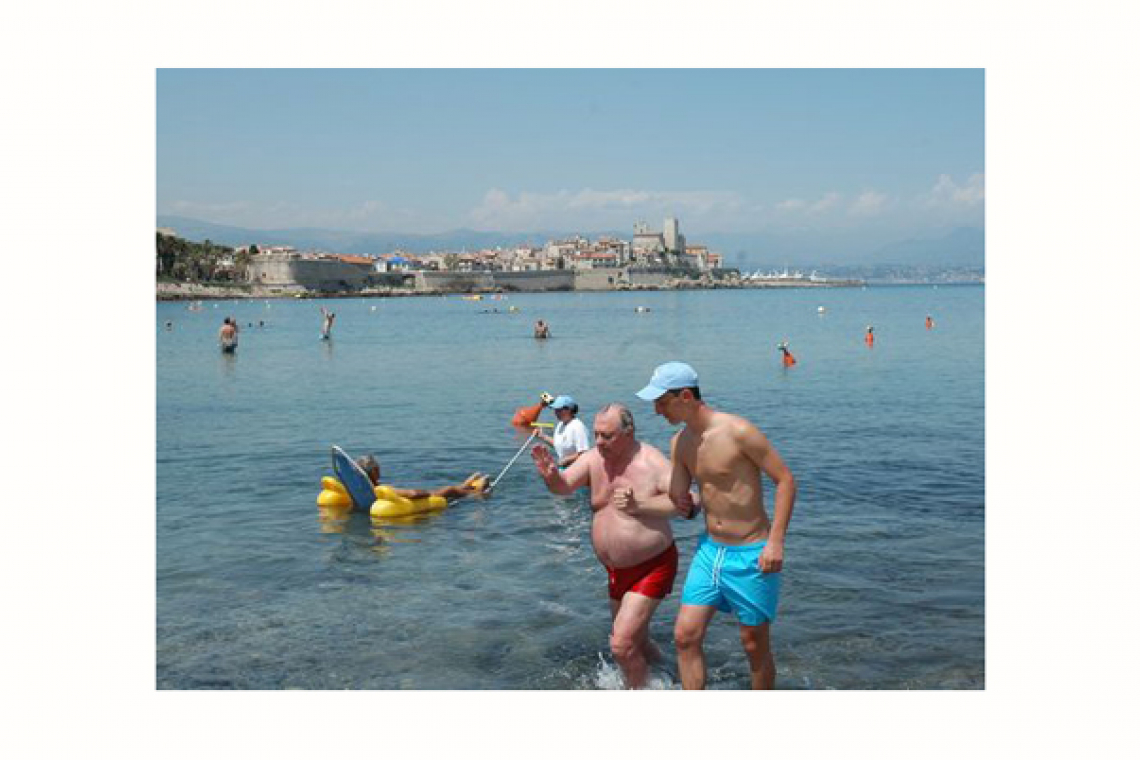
(884, 584)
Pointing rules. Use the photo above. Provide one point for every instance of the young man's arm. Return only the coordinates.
(670, 493)
(680, 480)
(757, 448)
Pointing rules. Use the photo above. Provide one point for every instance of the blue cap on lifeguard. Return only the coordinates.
(562, 402)
(670, 376)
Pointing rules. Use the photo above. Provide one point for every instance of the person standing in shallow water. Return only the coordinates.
(869, 338)
(789, 360)
(227, 336)
(570, 437)
(541, 330)
(738, 561)
(628, 482)
(327, 324)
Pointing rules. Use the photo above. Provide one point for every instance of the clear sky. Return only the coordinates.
(878, 154)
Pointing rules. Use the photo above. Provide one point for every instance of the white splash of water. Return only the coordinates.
(608, 677)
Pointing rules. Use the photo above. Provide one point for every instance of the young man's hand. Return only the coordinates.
(772, 558)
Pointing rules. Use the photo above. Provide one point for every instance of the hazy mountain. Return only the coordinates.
(342, 241)
(964, 246)
(961, 247)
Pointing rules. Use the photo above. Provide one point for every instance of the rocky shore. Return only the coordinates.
(190, 291)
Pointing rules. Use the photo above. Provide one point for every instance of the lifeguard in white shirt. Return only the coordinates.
(570, 436)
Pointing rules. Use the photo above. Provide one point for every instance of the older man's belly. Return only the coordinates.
(621, 540)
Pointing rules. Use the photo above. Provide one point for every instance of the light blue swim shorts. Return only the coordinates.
(729, 578)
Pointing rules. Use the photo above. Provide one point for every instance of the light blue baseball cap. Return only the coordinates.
(562, 402)
(670, 376)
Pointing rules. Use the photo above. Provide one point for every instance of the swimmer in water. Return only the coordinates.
(227, 336)
(326, 327)
(169, 325)
(789, 360)
(475, 484)
(541, 330)
(929, 323)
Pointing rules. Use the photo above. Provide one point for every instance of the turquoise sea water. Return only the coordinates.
(884, 576)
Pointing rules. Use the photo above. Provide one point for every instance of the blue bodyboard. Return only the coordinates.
(355, 479)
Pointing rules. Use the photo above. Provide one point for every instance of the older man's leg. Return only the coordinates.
(629, 640)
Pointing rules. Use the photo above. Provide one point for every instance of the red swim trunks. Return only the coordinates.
(652, 578)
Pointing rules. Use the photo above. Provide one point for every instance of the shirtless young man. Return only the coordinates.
(629, 494)
(737, 565)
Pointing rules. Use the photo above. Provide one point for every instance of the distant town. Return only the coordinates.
(651, 260)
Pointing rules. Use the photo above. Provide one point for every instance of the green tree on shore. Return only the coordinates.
(185, 260)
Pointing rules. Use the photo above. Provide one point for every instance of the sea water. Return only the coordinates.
(884, 561)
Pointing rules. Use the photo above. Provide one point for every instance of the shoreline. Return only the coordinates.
(169, 291)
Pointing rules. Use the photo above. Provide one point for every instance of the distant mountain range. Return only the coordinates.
(959, 247)
(343, 241)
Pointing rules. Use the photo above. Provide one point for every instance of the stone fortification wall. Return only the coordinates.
(558, 279)
(459, 282)
(601, 279)
(472, 281)
(640, 278)
(313, 274)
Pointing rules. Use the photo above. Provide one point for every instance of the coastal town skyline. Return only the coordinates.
(823, 165)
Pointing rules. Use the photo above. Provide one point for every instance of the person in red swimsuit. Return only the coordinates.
(629, 495)
(789, 360)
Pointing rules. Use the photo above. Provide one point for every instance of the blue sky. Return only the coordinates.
(864, 155)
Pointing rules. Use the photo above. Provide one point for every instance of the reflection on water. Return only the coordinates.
(333, 519)
(229, 363)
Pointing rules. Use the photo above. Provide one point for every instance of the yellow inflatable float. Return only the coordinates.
(388, 503)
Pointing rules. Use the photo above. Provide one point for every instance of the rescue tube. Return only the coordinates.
(390, 504)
